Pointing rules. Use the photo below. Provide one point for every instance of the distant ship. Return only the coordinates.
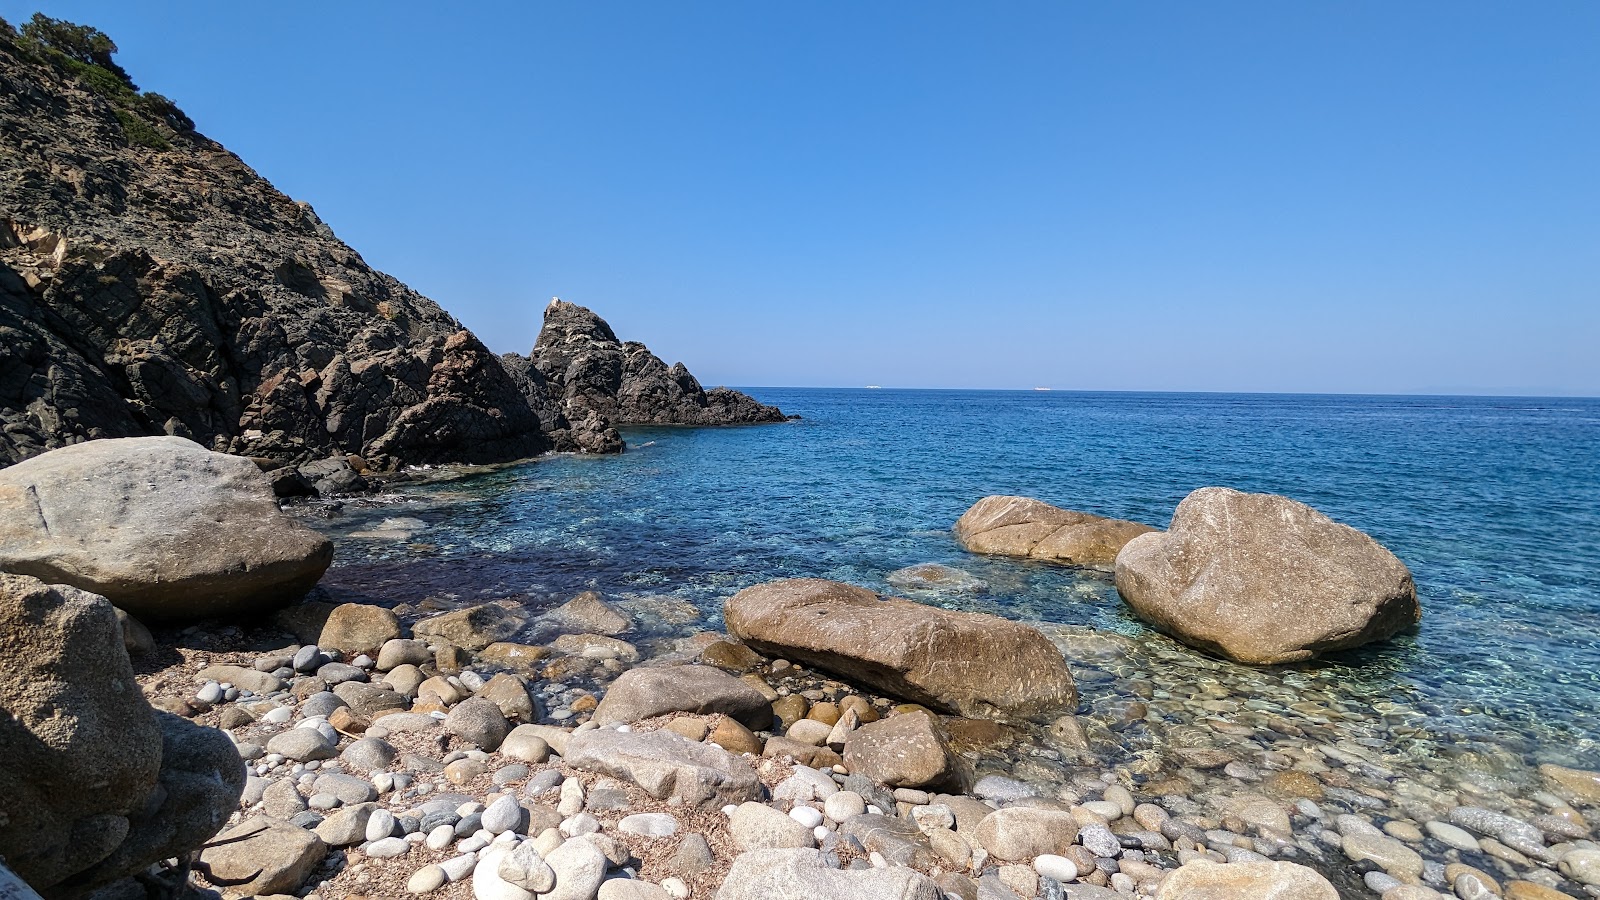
(1041, 389)
(874, 387)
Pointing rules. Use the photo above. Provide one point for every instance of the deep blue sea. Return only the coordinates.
(1494, 503)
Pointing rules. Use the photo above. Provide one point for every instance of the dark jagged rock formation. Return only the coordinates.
(595, 381)
(151, 282)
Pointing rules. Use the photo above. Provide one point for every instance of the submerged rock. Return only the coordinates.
(160, 526)
(1204, 880)
(936, 577)
(966, 663)
(1022, 526)
(1263, 579)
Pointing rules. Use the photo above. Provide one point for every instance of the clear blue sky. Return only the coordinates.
(1266, 196)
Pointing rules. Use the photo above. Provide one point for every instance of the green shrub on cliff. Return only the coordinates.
(148, 120)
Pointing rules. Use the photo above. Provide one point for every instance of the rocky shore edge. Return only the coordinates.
(830, 742)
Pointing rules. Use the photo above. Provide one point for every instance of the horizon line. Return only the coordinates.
(1214, 393)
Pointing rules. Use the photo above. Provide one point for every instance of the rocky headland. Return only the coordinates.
(152, 283)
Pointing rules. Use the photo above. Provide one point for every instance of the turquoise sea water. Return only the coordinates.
(1494, 503)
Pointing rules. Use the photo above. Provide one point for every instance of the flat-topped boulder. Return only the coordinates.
(971, 664)
(160, 526)
(1263, 579)
(665, 765)
(1032, 529)
(657, 690)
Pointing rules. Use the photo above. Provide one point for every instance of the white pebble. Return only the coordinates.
(277, 715)
(1058, 867)
(675, 888)
(387, 848)
(806, 816)
(441, 836)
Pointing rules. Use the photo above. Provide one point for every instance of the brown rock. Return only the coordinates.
(1262, 579)
(1203, 880)
(825, 712)
(264, 856)
(74, 718)
(473, 628)
(734, 738)
(778, 747)
(968, 663)
(1024, 527)
(508, 692)
(1583, 785)
(909, 750)
(1528, 890)
(730, 656)
(356, 628)
(790, 708)
(521, 657)
(1021, 832)
(642, 693)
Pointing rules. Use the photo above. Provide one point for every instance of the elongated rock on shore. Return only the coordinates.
(1263, 579)
(1024, 527)
(967, 663)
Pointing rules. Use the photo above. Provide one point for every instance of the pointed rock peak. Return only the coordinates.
(564, 321)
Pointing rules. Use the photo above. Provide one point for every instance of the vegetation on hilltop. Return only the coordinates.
(148, 119)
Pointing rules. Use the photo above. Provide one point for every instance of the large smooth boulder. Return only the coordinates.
(1263, 579)
(642, 693)
(96, 785)
(1206, 880)
(797, 874)
(1024, 527)
(473, 628)
(968, 663)
(160, 526)
(665, 765)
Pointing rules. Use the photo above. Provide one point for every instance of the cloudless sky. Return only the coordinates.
(1259, 196)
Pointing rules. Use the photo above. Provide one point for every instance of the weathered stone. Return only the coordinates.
(75, 718)
(1263, 579)
(802, 873)
(402, 652)
(968, 663)
(1581, 784)
(1024, 527)
(510, 693)
(519, 657)
(908, 750)
(478, 721)
(936, 577)
(657, 690)
(729, 656)
(369, 700)
(1021, 832)
(264, 856)
(473, 628)
(1205, 880)
(757, 826)
(358, 628)
(192, 534)
(665, 765)
(586, 613)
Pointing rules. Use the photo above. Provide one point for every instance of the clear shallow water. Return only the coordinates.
(1494, 503)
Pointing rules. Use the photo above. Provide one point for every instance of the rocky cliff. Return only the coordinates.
(595, 381)
(152, 283)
